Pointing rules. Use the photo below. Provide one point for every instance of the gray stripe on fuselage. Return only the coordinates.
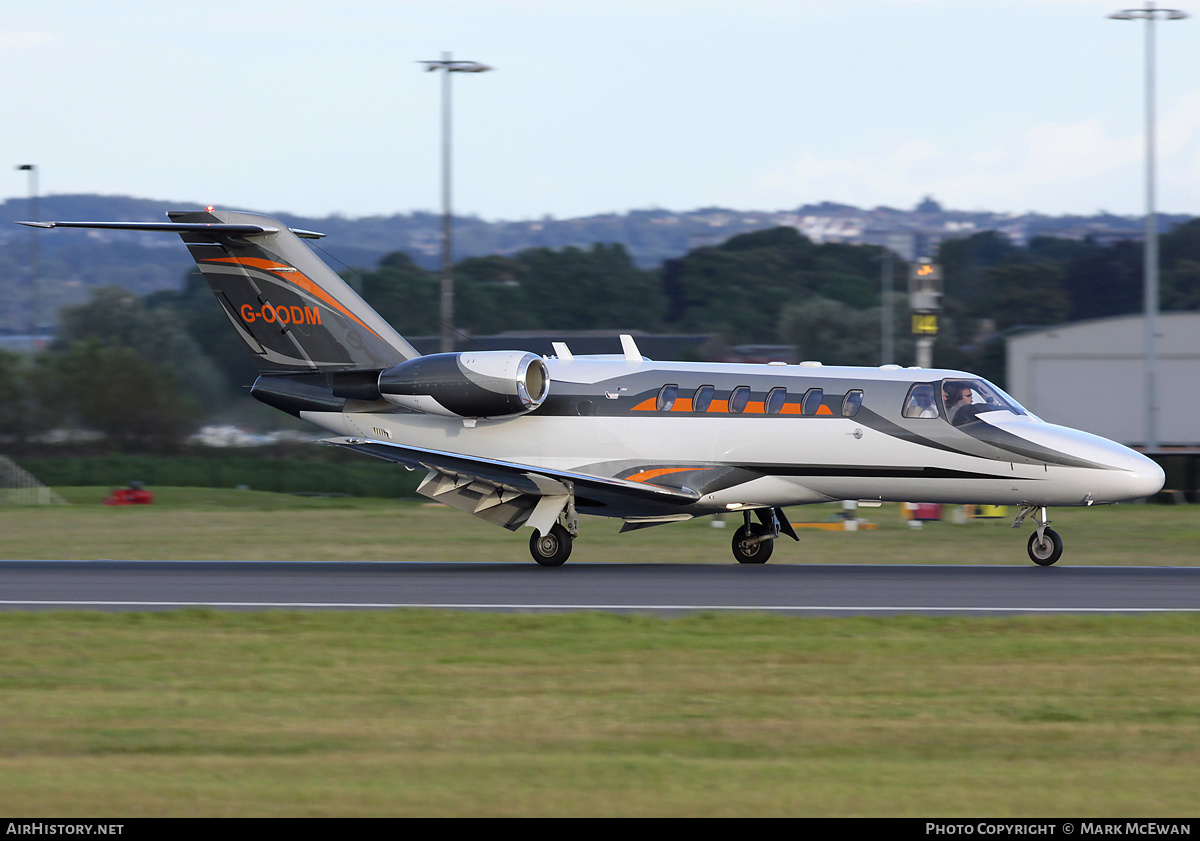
(1004, 440)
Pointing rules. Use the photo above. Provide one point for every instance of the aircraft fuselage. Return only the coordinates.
(605, 417)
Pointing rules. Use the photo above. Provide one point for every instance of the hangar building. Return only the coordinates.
(1091, 375)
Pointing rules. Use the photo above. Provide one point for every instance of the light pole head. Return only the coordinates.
(25, 167)
(1148, 13)
(455, 66)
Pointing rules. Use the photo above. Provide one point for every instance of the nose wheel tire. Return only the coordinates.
(552, 548)
(748, 552)
(1046, 551)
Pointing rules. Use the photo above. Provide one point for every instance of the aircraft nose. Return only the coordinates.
(1146, 478)
(1133, 476)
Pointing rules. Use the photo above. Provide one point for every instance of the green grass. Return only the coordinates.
(214, 524)
(311, 468)
(437, 713)
(421, 712)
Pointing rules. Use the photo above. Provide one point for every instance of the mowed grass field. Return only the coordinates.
(415, 712)
(214, 524)
(419, 712)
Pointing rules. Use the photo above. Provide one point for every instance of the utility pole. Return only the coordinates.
(1150, 252)
(888, 349)
(34, 297)
(446, 308)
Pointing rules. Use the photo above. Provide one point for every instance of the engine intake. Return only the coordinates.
(484, 384)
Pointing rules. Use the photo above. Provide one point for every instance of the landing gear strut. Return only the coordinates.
(1045, 545)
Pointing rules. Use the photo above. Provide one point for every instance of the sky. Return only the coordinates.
(600, 106)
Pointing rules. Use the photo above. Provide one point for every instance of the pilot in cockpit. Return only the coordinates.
(957, 396)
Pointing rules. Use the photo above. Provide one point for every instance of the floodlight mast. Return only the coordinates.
(34, 292)
(448, 65)
(1150, 303)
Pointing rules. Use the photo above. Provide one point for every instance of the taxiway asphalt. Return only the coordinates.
(656, 588)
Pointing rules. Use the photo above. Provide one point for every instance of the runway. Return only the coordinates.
(650, 588)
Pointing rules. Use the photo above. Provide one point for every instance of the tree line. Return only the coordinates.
(145, 370)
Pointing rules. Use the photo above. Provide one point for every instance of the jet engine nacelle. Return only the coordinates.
(484, 384)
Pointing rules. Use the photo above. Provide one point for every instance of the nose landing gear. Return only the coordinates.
(1045, 546)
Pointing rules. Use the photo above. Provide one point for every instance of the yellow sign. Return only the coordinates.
(924, 325)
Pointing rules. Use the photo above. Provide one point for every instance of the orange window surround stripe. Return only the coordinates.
(646, 475)
(754, 407)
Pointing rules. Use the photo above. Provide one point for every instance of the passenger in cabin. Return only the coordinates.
(920, 403)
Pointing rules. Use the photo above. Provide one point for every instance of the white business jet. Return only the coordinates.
(523, 440)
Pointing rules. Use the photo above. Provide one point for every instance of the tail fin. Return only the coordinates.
(292, 311)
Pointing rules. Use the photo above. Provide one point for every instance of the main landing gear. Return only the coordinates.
(552, 548)
(754, 542)
(1045, 545)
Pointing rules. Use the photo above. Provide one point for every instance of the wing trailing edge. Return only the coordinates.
(512, 494)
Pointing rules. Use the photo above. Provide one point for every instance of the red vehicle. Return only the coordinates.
(135, 494)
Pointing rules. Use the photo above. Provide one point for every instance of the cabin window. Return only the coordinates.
(738, 399)
(702, 398)
(812, 401)
(776, 397)
(666, 397)
(851, 403)
(920, 402)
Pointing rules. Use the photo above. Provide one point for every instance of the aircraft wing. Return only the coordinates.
(508, 493)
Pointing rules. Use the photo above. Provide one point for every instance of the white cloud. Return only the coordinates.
(1051, 167)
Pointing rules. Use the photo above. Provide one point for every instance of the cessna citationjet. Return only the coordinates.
(523, 440)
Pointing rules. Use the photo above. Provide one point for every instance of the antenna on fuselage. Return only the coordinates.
(632, 354)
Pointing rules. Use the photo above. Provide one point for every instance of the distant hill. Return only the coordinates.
(71, 263)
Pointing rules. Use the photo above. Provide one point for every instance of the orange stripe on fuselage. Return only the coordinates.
(646, 475)
(300, 280)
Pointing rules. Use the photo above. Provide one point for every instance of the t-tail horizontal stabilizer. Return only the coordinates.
(293, 312)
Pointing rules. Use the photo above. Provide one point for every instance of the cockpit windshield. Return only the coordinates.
(958, 400)
(964, 399)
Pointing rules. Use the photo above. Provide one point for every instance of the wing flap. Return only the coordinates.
(522, 478)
